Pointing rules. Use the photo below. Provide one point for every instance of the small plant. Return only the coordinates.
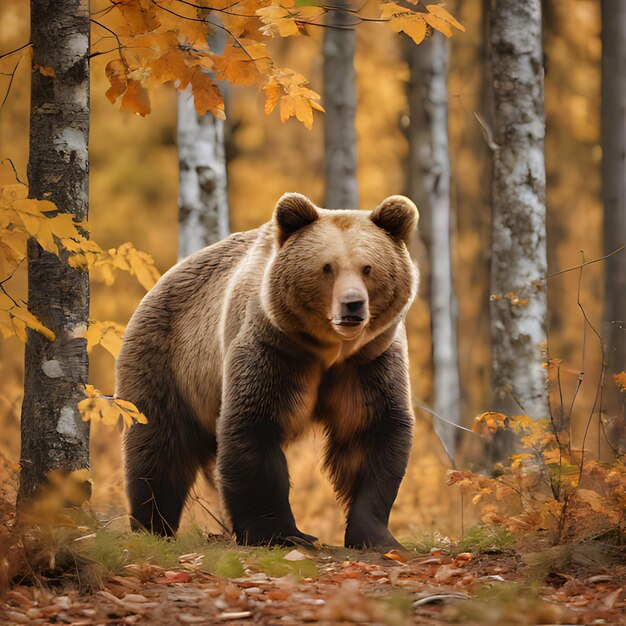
(550, 488)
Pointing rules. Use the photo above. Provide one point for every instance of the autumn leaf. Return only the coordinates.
(139, 18)
(237, 65)
(116, 73)
(206, 95)
(402, 19)
(278, 20)
(14, 319)
(98, 407)
(438, 11)
(135, 99)
(45, 71)
(620, 380)
(107, 334)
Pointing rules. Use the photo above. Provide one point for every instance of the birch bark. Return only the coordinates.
(53, 434)
(519, 212)
(429, 186)
(614, 178)
(203, 216)
(340, 104)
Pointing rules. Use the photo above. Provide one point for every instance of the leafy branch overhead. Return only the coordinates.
(22, 218)
(166, 41)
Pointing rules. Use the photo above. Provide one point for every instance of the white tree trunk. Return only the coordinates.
(340, 104)
(519, 214)
(429, 186)
(614, 178)
(202, 187)
(53, 434)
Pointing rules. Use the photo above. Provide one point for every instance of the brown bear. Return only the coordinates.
(239, 348)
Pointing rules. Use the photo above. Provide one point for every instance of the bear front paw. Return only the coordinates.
(372, 537)
(264, 536)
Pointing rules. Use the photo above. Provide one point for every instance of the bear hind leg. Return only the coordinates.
(161, 466)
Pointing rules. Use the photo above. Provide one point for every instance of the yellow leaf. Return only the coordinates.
(402, 19)
(438, 24)
(25, 316)
(93, 334)
(304, 112)
(278, 20)
(272, 96)
(112, 341)
(287, 108)
(442, 13)
(19, 328)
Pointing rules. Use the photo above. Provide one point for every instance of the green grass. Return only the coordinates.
(483, 538)
(109, 552)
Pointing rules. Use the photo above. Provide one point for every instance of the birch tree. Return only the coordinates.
(53, 434)
(340, 104)
(429, 186)
(203, 217)
(614, 178)
(518, 312)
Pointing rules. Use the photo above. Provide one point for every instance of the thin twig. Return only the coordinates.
(8, 54)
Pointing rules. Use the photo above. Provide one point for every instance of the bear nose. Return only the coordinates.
(353, 305)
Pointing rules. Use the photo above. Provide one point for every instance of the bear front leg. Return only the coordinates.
(259, 391)
(254, 482)
(368, 464)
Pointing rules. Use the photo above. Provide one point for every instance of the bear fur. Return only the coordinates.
(239, 348)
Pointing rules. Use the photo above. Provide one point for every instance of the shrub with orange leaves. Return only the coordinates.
(548, 488)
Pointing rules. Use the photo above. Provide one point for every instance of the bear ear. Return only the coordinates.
(398, 216)
(293, 212)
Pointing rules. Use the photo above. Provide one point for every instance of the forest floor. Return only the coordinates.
(329, 586)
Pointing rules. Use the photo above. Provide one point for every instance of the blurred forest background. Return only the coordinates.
(133, 197)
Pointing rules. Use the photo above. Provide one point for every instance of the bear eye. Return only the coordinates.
(367, 270)
(327, 269)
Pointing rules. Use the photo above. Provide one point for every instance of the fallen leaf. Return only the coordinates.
(394, 555)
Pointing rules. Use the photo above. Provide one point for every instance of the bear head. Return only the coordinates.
(340, 275)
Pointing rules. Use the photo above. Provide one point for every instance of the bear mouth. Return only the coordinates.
(349, 326)
(349, 321)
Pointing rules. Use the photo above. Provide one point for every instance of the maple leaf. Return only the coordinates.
(402, 19)
(116, 73)
(139, 18)
(206, 94)
(440, 13)
(135, 99)
(171, 66)
(237, 65)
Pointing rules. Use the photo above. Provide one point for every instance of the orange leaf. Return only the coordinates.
(45, 71)
(135, 99)
(394, 555)
(206, 95)
(116, 73)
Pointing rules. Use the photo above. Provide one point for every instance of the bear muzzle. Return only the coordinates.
(350, 313)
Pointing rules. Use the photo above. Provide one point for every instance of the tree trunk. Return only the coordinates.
(340, 104)
(203, 217)
(53, 434)
(429, 186)
(518, 328)
(614, 178)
